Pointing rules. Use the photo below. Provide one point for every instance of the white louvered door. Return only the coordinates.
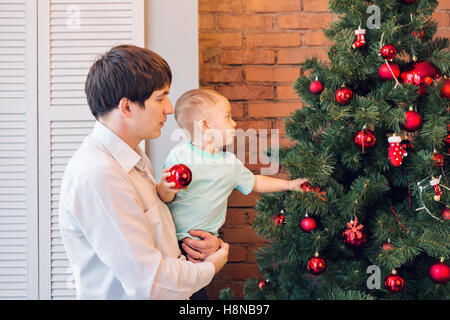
(71, 35)
(18, 151)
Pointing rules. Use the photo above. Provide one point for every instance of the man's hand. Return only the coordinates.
(198, 250)
(220, 257)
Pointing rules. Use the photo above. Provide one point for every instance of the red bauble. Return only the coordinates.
(308, 224)
(418, 34)
(445, 90)
(439, 272)
(262, 284)
(354, 236)
(388, 52)
(344, 95)
(387, 246)
(316, 87)
(393, 282)
(413, 121)
(438, 159)
(279, 219)
(365, 139)
(386, 74)
(417, 72)
(181, 175)
(445, 214)
(316, 265)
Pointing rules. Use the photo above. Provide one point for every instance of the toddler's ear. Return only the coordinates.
(202, 125)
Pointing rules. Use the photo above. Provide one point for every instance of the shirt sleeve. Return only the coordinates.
(245, 178)
(107, 211)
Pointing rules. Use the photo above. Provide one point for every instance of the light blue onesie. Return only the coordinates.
(203, 205)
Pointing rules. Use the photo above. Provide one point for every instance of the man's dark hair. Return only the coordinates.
(126, 71)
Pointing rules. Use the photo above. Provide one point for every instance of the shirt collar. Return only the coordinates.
(122, 152)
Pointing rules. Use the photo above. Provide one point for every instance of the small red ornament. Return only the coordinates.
(416, 73)
(413, 121)
(316, 87)
(181, 175)
(306, 187)
(387, 246)
(360, 38)
(445, 214)
(344, 95)
(439, 272)
(396, 153)
(393, 282)
(408, 1)
(354, 236)
(437, 189)
(407, 145)
(308, 224)
(279, 218)
(262, 284)
(385, 73)
(438, 159)
(365, 139)
(445, 90)
(316, 265)
(388, 52)
(418, 34)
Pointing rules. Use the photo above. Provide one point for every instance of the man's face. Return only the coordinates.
(148, 121)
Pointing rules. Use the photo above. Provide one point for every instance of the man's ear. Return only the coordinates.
(125, 107)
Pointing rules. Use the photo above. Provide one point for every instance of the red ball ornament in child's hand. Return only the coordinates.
(445, 90)
(413, 121)
(365, 139)
(316, 265)
(344, 95)
(393, 282)
(181, 175)
(385, 73)
(308, 224)
(388, 52)
(316, 87)
(439, 272)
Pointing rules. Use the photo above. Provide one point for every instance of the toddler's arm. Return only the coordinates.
(265, 184)
(165, 189)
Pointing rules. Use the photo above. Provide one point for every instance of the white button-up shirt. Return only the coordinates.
(119, 236)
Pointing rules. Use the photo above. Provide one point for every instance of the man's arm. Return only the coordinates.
(109, 215)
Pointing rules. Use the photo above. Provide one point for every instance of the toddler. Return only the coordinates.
(206, 116)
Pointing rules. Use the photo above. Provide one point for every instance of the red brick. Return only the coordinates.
(272, 109)
(242, 56)
(280, 125)
(244, 234)
(316, 38)
(304, 21)
(205, 21)
(273, 5)
(233, 6)
(237, 254)
(273, 40)
(315, 5)
(246, 22)
(221, 74)
(280, 74)
(443, 5)
(254, 124)
(236, 216)
(210, 39)
(286, 93)
(442, 18)
(239, 271)
(443, 33)
(237, 110)
(247, 92)
(237, 199)
(298, 55)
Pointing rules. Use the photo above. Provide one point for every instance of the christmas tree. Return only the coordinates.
(372, 138)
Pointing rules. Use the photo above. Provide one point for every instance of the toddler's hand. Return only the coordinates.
(294, 185)
(167, 187)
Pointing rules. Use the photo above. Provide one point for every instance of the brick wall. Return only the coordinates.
(250, 51)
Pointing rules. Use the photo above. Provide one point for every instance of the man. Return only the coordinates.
(119, 237)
